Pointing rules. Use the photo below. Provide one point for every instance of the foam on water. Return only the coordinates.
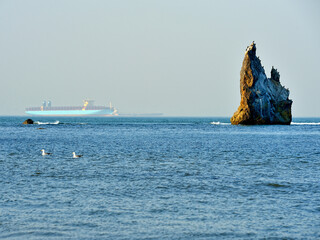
(219, 123)
(47, 123)
(305, 123)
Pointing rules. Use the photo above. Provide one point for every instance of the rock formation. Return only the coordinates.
(28, 121)
(263, 100)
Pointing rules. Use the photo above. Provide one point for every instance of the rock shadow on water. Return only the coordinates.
(276, 185)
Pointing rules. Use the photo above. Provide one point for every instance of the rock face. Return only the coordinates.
(28, 121)
(263, 100)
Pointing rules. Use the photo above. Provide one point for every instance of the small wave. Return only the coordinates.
(219, 123)
(47, 123)
(305, 123)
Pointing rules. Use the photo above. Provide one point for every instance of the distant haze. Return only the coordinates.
(176, 57)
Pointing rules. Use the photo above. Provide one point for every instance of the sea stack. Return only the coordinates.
(263, 100)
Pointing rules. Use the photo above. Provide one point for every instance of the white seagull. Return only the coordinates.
(44, 153)
(76, 156)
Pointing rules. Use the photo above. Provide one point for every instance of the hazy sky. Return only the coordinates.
(176, 57)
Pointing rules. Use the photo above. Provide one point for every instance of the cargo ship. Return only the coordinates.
(87, 109)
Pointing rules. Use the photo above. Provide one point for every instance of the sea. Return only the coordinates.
(158, 178)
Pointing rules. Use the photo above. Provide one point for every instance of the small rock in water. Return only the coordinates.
(28, 121)
(263, 100)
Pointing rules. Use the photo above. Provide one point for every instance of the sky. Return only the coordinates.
(176, 57)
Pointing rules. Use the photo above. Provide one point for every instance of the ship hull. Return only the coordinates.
(103, 112)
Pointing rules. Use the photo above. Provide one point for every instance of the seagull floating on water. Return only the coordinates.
(44, 153)
(76, 156)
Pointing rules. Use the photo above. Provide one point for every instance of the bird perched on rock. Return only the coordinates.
(44, 153)
(75, 155)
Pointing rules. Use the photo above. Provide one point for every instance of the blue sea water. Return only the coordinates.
(159, 178)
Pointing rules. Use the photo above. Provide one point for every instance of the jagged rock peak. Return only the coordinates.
(251, 49)
(275, 75)
(263, 100)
